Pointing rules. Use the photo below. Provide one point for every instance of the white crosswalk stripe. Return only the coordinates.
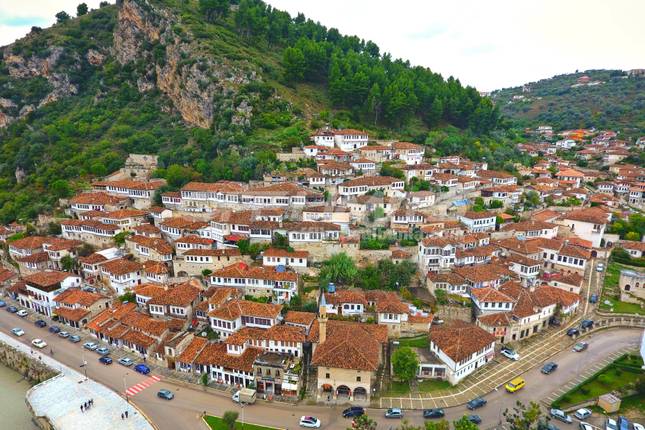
(137, 388)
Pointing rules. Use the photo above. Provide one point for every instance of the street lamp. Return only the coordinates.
(84, 366)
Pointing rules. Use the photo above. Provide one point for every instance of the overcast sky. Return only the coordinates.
(488, 44)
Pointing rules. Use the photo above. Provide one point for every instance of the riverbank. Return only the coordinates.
(14, 413)
(30, 366)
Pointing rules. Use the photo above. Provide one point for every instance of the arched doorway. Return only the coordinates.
(360, 393)
(343, 392)
(182, 274)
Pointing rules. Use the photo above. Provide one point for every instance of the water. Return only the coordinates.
(14, 413)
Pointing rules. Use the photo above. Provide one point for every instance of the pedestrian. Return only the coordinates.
(92, 402)
(126, 414)
(81, 408)
(121, 415)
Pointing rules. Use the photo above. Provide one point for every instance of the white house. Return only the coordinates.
(479, 221)
(42, 287)
(588, 224)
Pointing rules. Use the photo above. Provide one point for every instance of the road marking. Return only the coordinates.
(137, 388)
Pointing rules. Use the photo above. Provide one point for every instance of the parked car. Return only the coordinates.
(17, 331)
(39, 343)
(433, 413)
(611, 424)
(582, 413)
(63, 334)
(125, 361)
(91, 346)
(354, 411)
(22, 313)
(12, 309)
(542, 425)
(515, 385)
(309, 422)
(600, 267)
(103, 350)
(437, 321)
(105, 360)
(165, 394)
(593, 298)
(74, 338)
(638, 426)
(623, 423)
(555, 321)
(394, 413)
(476, 403)
(3, 303)
(40, 323)
(585, 426)
(54, 329)
(585, 324)
(142, 368)
(580, 346)
(559, 414)
(510, 353)
(549, 367)
(573, 332)
(475, 419)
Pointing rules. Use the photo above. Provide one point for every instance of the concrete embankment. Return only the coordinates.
(28, 365)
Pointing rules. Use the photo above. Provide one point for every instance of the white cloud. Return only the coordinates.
(488, 44)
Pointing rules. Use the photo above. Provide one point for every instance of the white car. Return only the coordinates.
(309, 422)
(91, 346)
(17, 331)
(39, 343)
(582, 414)
(585, 426)
(510, 353)
(22, 313)
(638, 426)
(611, 424)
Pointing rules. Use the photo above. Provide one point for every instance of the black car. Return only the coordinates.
(475, 419)
(40, 323)
(354, 411)
(12, 309)
(586, 324)
(433, 413)
(54, 329)
(573, 332)
(476, 403)
(593, 298)
(555, 321)
(549, 367)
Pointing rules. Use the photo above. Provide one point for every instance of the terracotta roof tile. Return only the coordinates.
(459, 340)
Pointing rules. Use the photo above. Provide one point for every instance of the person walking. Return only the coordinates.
(126, 414)
(121, 415)
(81, 408)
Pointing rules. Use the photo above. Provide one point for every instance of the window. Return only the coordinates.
(358, 379)
(327, 375)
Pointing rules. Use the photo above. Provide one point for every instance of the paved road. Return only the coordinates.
(184, 411)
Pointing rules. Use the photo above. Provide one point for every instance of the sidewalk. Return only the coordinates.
(59, 399)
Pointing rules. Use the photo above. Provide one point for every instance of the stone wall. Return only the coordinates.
(32, 369)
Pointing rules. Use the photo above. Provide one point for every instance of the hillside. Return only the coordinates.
(214, 89)
(612, 100)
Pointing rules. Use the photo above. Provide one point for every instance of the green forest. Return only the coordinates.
(307, 75)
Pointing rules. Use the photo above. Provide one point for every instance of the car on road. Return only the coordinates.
(165, 394)
(354, 411)
(573, 332)
(3, 303)
(74, 338)
(542, 425)
(623, 423)
(22, 313)
(433, 413)
(125, 361)
(54, 329)
(17, 331)
(476, 403)
(593, 298)
(585, 426)
(63, 334)
(611, 424)
(549, 367)
(510, 353)
(580, 346)
(585, 324)
(12, 309)
(394, 413)
(638, 426)
(103, 350)
(39, 343)
(475, 419)
(559, 414)
(600, 267)
(437, 321)
(582, 413)
(40, 323)
(105, 360)
(515, 385)
(142, 368)
(555, 321)
(309, 422)
(91, 346)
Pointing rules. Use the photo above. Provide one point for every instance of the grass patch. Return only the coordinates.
(216, 423)
(430, 385)
(415, 342)
(611, 293)
(633, 403)
(617, 375)
(398, 388)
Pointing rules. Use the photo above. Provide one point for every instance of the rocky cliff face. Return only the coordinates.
(174, 64)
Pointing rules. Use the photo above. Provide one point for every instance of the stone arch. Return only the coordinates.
(343, 391)
(182, 274)
(628, 287)
(360, 393)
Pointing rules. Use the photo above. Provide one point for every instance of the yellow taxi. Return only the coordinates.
(514, 385)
